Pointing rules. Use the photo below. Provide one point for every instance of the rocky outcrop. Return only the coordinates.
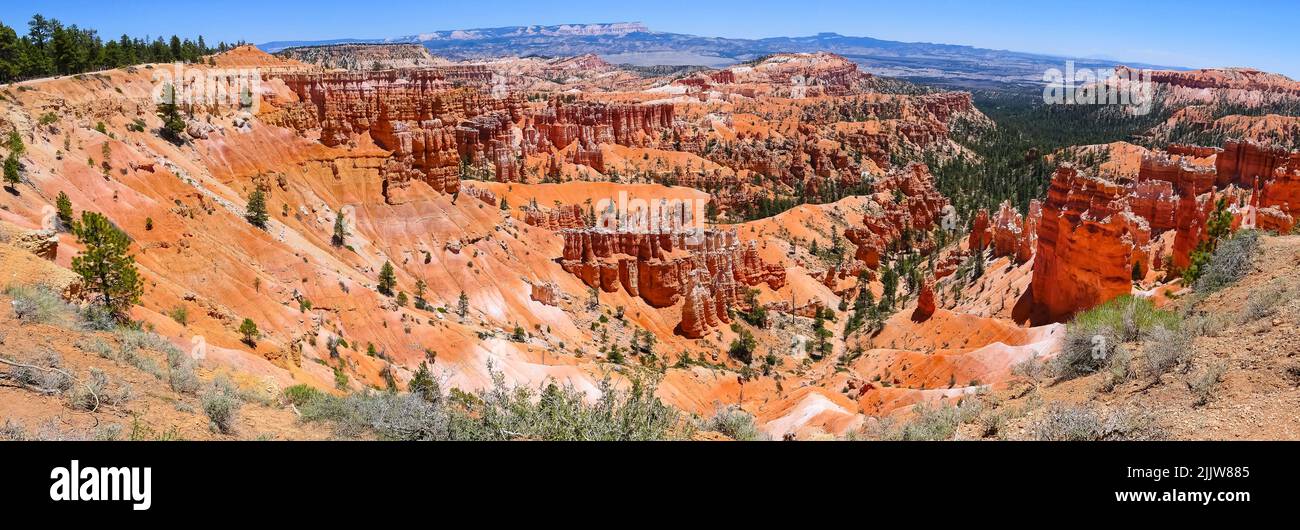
(709, 270)
(980, 235)
(363, 57)
(547, 293)
(1245, 162)
(1283, 190)
(557, 218)
(919, 209)
(1087, 245)
(560, 124)
(924, 303)
(438, 121)
(1008, 231)
(427, 124)
(43, 243)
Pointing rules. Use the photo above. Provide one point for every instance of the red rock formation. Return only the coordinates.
(924, 303)
(1009, 234)
(1156, 201)
(415, 114)
(547, 293)
(1086, 245)
(432, 124)
(560, 124)
(1029, 234)
(1242, 163)
(709, 271)
(1283, 190)
(980, 235)
(481, 194)
(919, 210)
(559, 218)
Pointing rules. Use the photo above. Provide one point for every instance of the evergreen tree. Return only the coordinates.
(423, 385)
(462, 305)
(169, 112)
(889, 286)
(64, 207)
(104, 265)
(15, 143)
(420, 289)
(1217, 227)
(340, 230)
(387, 279)
(12, 176)
(256, 214)
(248, 329)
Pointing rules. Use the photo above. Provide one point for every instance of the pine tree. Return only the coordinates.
(340, 230)
(169, 111)
(387, 279)
(423, 385)
(64, 207)
(256, 214)
(462, 305)
(104, 265)
(420, 289)
(12, 176)
(248, 329)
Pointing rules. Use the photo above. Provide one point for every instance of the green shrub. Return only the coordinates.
(180, 372)
(1204, 385)
(39, 305)
(932, 423)
(301, 394)
(503, 412)
(736, 424)
(1095, 335)
(1062, 423)
(221, 403)
(180, 314)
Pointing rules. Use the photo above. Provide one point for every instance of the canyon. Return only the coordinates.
(794, 189)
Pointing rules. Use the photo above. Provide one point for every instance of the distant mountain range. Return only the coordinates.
(634, 43)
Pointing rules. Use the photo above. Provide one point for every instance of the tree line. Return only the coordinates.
(51, 48)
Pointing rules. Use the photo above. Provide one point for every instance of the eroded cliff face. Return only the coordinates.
(1153, 220)
(438, 121)
(905, 201)
(1087, 244)
(708, 270)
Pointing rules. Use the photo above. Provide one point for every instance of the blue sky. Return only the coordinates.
(1193, 33)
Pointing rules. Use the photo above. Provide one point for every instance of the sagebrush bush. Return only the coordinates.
(503, 412)
(931, 423)
(221, 403)
(48, 375)
(301, 394)
(180, 372)
(1066, 423)
(735, 423)
(1094, 336)
(97, 318)
(98, 390)
(1230, 262)
(1166, 349)
(1204, 385)
(39, 305)
(1263, 302)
